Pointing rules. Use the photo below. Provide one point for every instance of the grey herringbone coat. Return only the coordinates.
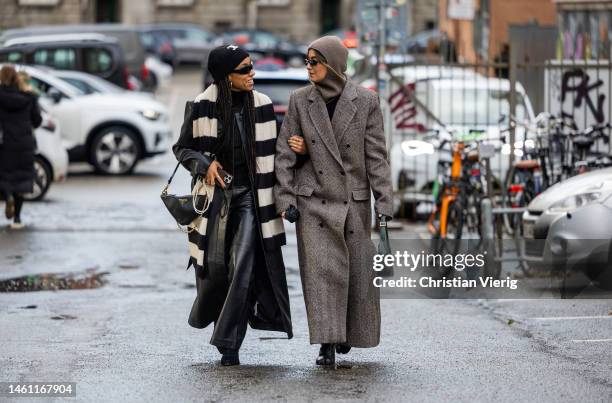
(347, 159)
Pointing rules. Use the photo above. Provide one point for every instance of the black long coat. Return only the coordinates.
(271, 294)
(19, 113)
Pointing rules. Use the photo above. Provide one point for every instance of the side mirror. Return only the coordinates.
(55, 95)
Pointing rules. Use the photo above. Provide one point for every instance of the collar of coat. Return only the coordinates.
(332, 132)
(205, 131)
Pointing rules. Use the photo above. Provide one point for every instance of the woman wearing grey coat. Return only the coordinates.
(330, 153)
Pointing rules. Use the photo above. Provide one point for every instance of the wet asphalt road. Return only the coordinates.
(129, 340)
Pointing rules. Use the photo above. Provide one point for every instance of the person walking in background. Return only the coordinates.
(19, 115)
(339, 126)
(236, 248)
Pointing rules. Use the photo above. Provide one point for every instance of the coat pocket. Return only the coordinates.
(304, 190)
(361, 194)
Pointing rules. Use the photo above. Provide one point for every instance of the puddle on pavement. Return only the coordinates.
(54, 282)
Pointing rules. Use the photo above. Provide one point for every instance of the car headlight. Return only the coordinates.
(573, 202)
(150, 114)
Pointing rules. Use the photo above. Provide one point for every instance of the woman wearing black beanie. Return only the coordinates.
(228, 139)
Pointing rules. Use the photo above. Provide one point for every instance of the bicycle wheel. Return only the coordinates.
(454, 228)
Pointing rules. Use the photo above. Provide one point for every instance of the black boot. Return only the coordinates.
(327, 355)
(229, 357)
(342, 348)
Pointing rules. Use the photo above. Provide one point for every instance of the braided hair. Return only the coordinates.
(224, 115)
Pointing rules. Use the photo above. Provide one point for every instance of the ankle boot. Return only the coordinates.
(230, 357)
(327, 355)
(342, 348)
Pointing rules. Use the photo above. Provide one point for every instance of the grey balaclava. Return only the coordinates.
(335, 54)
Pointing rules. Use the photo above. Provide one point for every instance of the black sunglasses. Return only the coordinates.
(244, 70)
(312, 62)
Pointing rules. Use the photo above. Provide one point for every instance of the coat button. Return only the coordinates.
(342, 173)
(321, 172)
(345, 202)
(323, 201)
(313, 141)
(348, 146)
(351, 232)
(321, 224)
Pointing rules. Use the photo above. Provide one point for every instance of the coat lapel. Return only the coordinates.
(345, 111)
(320, 120)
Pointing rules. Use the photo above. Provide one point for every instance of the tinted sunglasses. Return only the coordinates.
(312, 62)
(244, 70)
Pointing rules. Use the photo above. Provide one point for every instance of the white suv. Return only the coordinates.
(110, 131)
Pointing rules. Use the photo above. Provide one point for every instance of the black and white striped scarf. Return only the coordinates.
(205, 131)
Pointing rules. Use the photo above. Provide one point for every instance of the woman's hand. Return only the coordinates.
(212, 174)
(297, 144)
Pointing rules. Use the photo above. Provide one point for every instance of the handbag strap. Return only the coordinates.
(165, 189)
(174, 172)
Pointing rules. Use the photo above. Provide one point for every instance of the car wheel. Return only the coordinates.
(42, 179)
(115, 151)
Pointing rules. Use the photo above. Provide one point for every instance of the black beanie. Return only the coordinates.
(224, 59)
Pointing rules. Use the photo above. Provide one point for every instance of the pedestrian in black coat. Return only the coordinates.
(19, 114)
(235, 247)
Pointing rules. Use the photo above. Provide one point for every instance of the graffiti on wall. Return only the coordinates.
(576, 85)
(581, 93)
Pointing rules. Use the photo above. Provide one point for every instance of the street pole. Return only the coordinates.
(382, 34)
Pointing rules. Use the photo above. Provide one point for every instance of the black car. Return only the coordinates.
(93, 54)
(126, 36)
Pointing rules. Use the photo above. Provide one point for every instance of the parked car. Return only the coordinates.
(90, 84)
(261, 43)
(126, 36)
(51, 159)
(158, 43)
(279, 85)
(189, 41)
(110, 131)
(569, 227)
(161, 73)
(90, 53)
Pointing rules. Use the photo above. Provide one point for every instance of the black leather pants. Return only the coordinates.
(241, 246)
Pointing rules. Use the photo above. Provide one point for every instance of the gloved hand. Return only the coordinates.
(292, 214)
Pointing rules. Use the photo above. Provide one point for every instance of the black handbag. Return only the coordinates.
(185, 209)
(384, 247)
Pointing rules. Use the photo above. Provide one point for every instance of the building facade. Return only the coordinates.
(585, 29)
(479, 28)
(298, 20)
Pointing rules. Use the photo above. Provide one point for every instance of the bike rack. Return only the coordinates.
(488, 230)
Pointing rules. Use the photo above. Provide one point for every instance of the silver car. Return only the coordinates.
(569, 227)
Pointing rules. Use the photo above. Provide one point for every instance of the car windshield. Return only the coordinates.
(473, 106)
(44, 88)
(278, 90)
(92, 85)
